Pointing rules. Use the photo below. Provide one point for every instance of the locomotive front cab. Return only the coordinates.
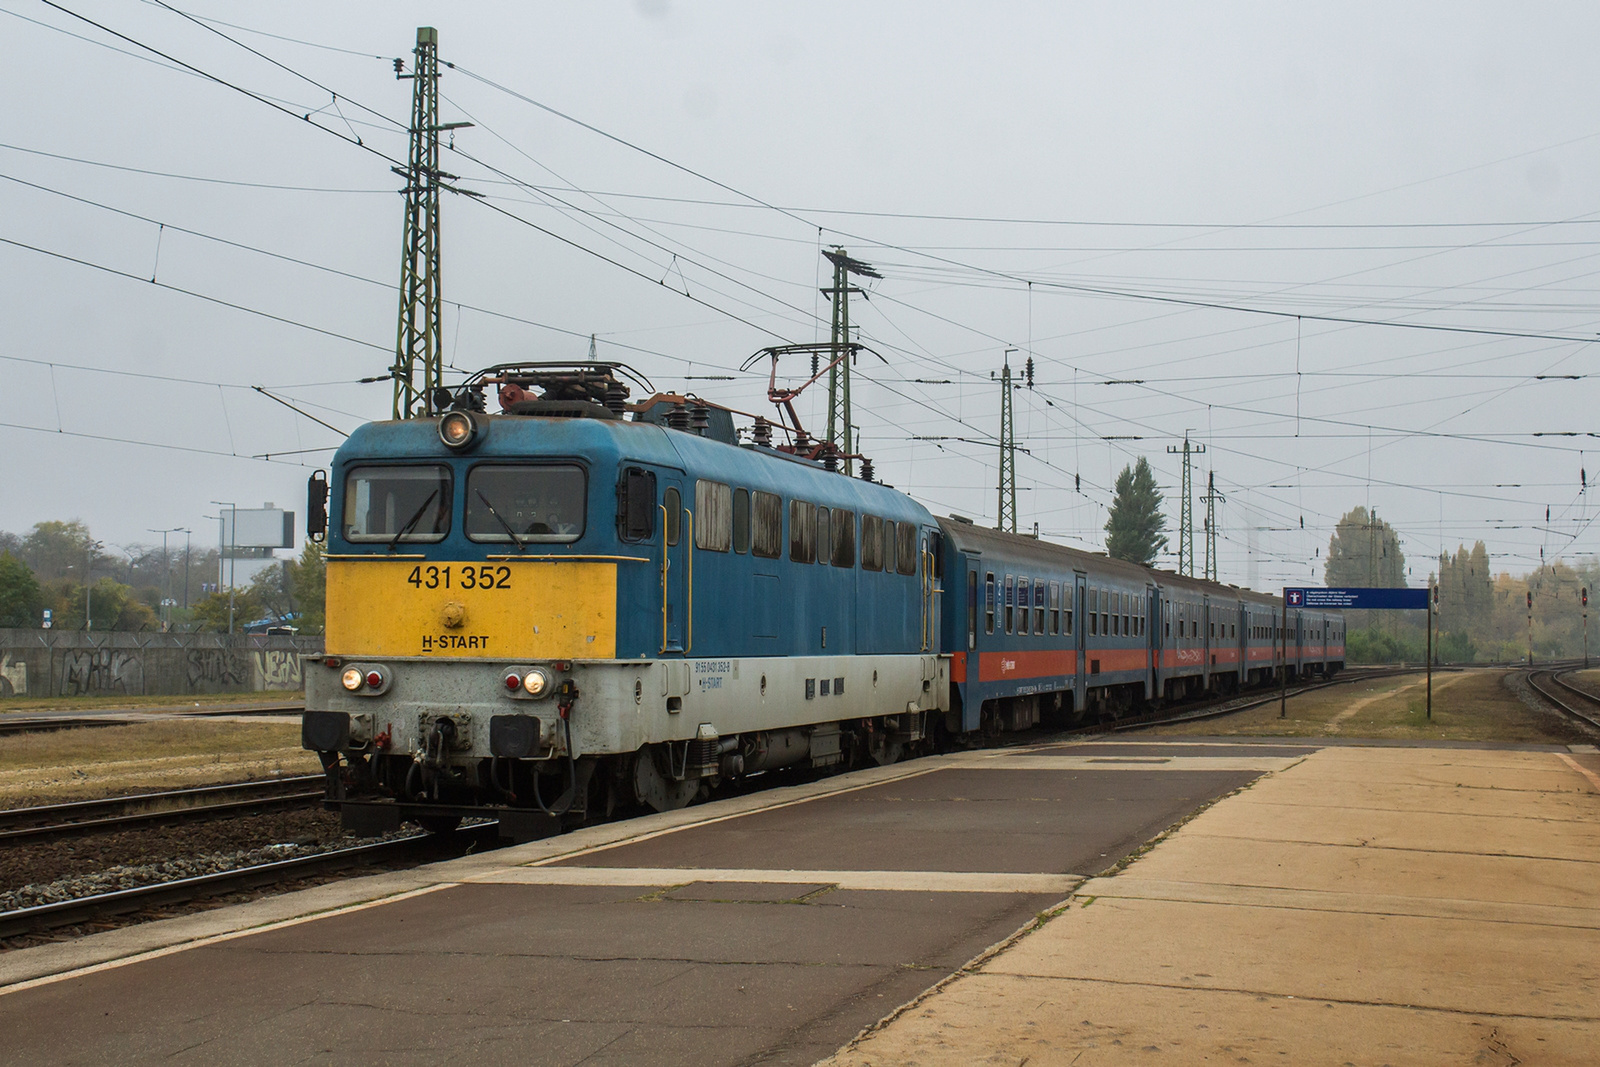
(463, 586)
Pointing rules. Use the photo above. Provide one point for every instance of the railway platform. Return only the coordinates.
(1369, 905)
(1100, 900)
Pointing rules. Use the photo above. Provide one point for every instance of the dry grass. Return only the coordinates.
(170, 700)
(1467, 706)
(105, 760)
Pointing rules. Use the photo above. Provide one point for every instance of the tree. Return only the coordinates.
(1134, 529)
(308, 582)
(1364, 551)
(56, 549)
(21, 599)
(211, 611)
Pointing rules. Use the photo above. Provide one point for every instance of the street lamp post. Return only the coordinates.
(234, 512)
(166, 575)
(186, 532)
(88, 588)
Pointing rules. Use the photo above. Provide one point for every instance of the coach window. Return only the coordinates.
(988, 602)
(713, 516)
(844, 538)
(871, 543)
(741, 521)
(1092, 609)
(674, 507)
(1125, 599)
(802, 531)
(1105, 613)
(1055, 607)
(906, 535)
(824, 535)
(398, 503)
(1024, 604)
(1038, 607)
(766, 525)
(1011, 602)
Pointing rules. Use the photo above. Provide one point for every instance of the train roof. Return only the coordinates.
(969, 537)
(1000, 545)
(602, 442)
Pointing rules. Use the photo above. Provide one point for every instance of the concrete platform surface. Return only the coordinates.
(770, 928)
(1388, 905)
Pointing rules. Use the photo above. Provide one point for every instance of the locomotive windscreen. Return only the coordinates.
(537, 503)
(409, 503)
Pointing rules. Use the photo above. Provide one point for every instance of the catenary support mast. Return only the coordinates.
(1186, 505)
(1008, 452)
(841, 431)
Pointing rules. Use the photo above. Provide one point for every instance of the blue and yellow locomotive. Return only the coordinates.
(580, 603)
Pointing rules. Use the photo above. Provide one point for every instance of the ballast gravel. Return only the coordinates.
(125, 876)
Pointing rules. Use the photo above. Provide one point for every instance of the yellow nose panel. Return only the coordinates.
(507, 609)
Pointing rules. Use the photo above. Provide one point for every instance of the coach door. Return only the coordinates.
(1080, 626)
(1148, 627)
(675, 564)
(1208, 656)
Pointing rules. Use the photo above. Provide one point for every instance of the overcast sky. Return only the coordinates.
(1193, 202)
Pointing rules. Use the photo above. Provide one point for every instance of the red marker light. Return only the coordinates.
(513, 682)
(374, 679)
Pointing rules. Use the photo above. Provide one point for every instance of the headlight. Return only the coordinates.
(536, 682)
(460, 430)
(353, 679)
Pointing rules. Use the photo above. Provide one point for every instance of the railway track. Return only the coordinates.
(22, 724)
(1565, 696)
(1244, 702)
(417, 848)
(155, 809)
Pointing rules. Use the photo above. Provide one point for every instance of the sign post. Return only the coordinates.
(1354, 598)
(1283, 675)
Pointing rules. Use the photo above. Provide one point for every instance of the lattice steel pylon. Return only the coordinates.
(841, 432)
(1212, 499)
(418, 354)
(1186, 506)
(1008, 452)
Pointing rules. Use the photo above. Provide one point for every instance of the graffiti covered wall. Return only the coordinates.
(54, 663)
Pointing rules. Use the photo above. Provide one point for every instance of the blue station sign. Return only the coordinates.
(1355, 597)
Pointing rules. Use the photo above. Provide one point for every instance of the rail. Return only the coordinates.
(1547, 683)
(21, 723)
(160, 808)
(419, 847)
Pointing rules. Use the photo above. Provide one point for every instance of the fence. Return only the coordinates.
(42, 663)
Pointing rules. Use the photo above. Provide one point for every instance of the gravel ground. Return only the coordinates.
(31, 865)
(1562, 728)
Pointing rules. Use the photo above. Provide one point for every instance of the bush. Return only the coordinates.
(1371, 646)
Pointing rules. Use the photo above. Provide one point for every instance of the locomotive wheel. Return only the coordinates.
(655, 789)
(882, 750)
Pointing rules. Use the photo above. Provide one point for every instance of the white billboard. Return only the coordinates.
(257, 528)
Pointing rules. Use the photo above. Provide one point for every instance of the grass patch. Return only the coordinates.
(169, 700)
(106, 760)
(1471, 705)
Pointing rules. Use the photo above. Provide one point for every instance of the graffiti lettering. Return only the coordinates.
(216, 666)
(101, 670)
(278, 669)
(13, 677)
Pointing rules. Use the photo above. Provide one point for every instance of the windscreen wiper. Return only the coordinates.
(504, 525)
(413, 520)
